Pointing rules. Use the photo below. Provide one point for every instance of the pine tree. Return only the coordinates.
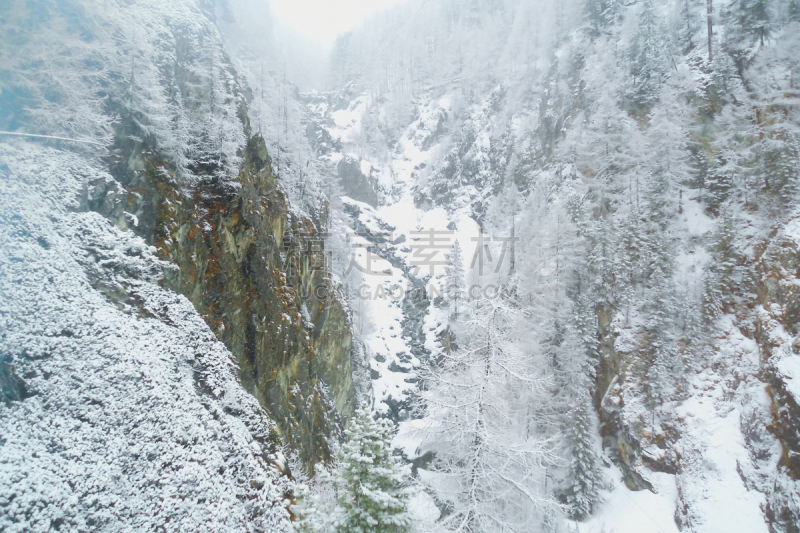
(661, 209)
(366, 483)
(794, 10)
(699, 163)
(586, 328)
(660, 199)
(371, 497)
(712, 300)
(688, 25)
(578, 353)
(720, 183)
(722, 74)
(605, 151)
(602, 266)
(776, 165)
(648, 56)
(455, 286)
(601, 14)
(754, 18)
(786, 162)
(632, 244)
(720, 283)
(584, 478)
(727, 153)
(760, 19)
(663, 361)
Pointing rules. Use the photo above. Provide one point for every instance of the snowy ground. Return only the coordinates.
(132, 417)
(625, 511)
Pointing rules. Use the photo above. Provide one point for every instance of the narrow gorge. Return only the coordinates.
(480, 266)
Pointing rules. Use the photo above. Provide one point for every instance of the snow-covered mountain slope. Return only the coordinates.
(169, 113)
(157, 353)
(121, 409)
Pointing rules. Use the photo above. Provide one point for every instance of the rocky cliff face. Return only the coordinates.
(120, 409)
(256, 273)
(185, 173)
(773, 324)
(168, 325)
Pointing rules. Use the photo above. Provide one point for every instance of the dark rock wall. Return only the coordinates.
(355, 184)
(256, 274)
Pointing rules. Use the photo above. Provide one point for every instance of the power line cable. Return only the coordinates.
(16, 134)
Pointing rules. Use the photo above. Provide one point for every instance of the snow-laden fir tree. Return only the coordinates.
(585, 320)
(601, 14)
(727, 175)
(601, 263)
(665, 147)
(754, 18)
(688, 23)
(722, 83)
(662, 357)
(365, 492)
(576, 354)
(584, 477)
(774, 167)
(720, 182)
(631, 253)
(720, 283)
(661, 208)
(649, 58)
(606, 149)
(794, 10)
(455, 286)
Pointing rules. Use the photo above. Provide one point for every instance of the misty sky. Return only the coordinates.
(323, 20)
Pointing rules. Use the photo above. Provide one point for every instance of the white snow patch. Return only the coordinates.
(627, 511)
(423, 509)
(789, 369)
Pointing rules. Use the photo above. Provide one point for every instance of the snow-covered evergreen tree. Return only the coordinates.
(584, 478)
(688, 23)
(601, 14)
(754, 18)
(720, 281)
(366, 483)
(727, 174)
(633, 243)
(601, 264)
(772, 169)
(662, 361)
(794, 10)
(723, 81)
(576, 372)
(455, 284)
(649, 57)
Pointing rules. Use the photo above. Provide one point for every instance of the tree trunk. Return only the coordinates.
(709, 10)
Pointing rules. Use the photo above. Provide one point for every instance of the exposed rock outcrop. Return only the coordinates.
(355, 183)
(257, 275)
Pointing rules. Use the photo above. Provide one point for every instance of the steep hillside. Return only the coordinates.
(121, 410)
(156, 274)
